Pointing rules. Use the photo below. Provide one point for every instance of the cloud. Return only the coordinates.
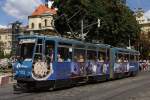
(147, 14)
(20, 9)
(3, 26)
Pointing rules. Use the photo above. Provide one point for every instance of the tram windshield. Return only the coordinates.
(26, 49)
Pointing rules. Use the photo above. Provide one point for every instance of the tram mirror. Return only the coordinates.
(70, 50)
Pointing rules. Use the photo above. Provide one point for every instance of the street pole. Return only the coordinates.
(82, 30)
(129, 43)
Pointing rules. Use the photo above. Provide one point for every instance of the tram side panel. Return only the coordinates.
(121, 69)
(68, 70)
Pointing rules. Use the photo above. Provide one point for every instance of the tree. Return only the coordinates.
(118, 24)
(144, 46)
(1, 50)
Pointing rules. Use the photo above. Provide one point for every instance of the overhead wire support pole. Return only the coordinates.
(129, 42)
(82, 29)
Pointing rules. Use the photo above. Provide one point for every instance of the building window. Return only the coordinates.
(40, 26)
(6, 37)
(32, 25)
(45, 22)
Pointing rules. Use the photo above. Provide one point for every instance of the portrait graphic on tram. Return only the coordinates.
(91, 65)
(78, 65)
(124, 62)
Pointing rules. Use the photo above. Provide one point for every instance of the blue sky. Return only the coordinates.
(12, 10)
(145, 4)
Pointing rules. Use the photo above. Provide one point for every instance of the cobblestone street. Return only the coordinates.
(132, 88)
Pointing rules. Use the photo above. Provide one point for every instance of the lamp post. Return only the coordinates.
(129, 43)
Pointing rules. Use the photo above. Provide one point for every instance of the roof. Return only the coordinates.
(42, 9)
(5, 31)
(126, 50)
(65, 40)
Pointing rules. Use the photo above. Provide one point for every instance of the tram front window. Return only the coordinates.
(27, 50)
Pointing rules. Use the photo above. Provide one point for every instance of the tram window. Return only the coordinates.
(64, 54)
(91, 55)
(49, 51)
(132, 57)
(39, 41)
(120, 58)
(27, 50)
(79, 55)
(39, 48)
(38, 52)
(107, 58)
(135, 57)
(126, 57)
(101, 56)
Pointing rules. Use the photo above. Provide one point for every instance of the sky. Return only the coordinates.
(12, 10)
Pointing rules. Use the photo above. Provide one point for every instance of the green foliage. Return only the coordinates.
(117, 21)
(1, 55)
(1, 50)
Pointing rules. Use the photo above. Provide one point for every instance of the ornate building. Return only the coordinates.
(144, 22)
(41, 20)
(145, 33)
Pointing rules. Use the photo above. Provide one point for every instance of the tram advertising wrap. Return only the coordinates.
(53, 62)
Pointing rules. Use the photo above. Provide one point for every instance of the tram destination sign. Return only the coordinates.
(27, 41)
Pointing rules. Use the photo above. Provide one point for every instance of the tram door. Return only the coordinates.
(43, 58)
(38, 50)
(44, 51)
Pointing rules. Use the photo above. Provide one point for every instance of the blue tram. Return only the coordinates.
(53, 62)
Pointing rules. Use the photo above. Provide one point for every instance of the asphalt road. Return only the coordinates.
(132, 88)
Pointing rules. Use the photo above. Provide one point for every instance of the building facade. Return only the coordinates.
(41, 20)
(6, 40)
(144, 23)
(144, 45)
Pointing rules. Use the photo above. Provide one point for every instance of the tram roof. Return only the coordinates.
(65, 40)
(126, 50)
